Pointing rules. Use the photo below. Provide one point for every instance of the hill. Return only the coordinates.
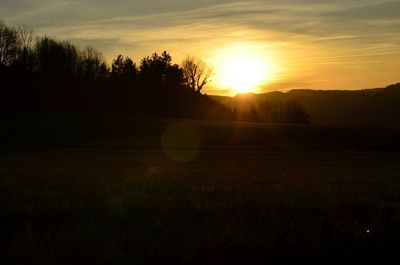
(379, 106)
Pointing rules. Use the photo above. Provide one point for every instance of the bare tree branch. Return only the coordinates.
(196, 73)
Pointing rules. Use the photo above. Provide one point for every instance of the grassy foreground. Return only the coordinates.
(97, 190)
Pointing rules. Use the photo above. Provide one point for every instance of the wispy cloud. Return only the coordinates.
(305, 33)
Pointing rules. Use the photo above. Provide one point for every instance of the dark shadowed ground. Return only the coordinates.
(102, 189)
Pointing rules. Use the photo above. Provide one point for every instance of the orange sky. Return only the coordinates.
(312, 44)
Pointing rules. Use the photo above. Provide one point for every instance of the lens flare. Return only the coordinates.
(181, 141)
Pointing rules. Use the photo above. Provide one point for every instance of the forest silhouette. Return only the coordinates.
(41, 74)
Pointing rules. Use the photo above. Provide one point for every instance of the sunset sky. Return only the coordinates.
(324, 44)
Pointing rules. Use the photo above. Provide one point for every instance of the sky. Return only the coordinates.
(306, 44)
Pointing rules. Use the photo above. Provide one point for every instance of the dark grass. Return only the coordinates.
(96, 189)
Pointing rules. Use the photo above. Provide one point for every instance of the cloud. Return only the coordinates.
(310, 35)
(305, 17)
(378, 10)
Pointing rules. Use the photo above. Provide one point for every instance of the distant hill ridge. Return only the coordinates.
(377, 106)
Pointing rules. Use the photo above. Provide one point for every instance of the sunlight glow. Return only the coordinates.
(243, 74)
(242, 69)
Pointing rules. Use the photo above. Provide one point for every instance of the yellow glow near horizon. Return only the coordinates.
(243, 74)
(242, 69)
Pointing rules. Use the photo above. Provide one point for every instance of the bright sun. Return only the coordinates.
(243, 74)
(242, 69)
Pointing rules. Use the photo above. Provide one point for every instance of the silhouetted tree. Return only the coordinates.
(296, 113)
(196, 73)
(92, 65)
(9, 45)
(158, 73)
(123, 68)
(283, 112)
(26, 36)
(154, 69)
(57, 59)
(27, 57)
(173, 77)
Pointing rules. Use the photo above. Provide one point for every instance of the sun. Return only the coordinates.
(242, 69)
(243, 74)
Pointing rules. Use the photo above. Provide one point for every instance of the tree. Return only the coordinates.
(196, 73)
(27, 57)
(26, 36)
(9, 45)
(123, 68)
(158, 71)
(92, 65)
(289, 111)
(156, 66)
(57, 59)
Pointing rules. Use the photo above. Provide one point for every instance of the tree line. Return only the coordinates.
(288, 111)
(41, 74)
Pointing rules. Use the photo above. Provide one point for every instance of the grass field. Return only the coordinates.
(86, 189)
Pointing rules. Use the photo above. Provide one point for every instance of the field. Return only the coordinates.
(103, 189)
